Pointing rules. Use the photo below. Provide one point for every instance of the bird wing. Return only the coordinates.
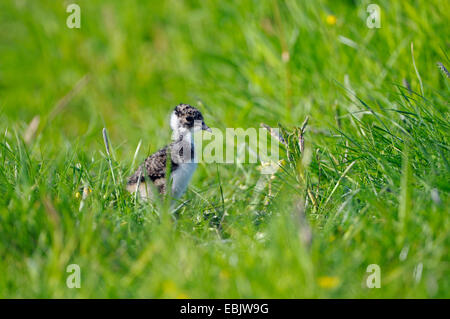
(154, 167)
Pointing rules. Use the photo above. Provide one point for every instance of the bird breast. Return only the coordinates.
(181, 177)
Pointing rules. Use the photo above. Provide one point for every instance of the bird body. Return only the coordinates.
(151, 174)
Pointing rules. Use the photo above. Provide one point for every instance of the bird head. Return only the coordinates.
(186, 118)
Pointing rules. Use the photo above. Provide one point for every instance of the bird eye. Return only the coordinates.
(189, 119)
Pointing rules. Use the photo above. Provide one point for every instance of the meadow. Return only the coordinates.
(365, 181)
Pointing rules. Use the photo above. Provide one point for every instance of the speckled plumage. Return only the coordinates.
(181, 152)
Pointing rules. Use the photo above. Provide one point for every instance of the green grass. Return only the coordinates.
(371, 186)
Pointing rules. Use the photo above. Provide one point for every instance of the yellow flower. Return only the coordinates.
(224, 274)
(169, 287)
(331, 19)
(328, 282)
(77, 195)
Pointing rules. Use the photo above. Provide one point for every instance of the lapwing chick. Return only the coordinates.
(184, 121)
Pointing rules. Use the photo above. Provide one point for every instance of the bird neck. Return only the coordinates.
(185, 141)
(183, 135)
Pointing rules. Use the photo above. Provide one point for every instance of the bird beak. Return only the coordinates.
(206, 128)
